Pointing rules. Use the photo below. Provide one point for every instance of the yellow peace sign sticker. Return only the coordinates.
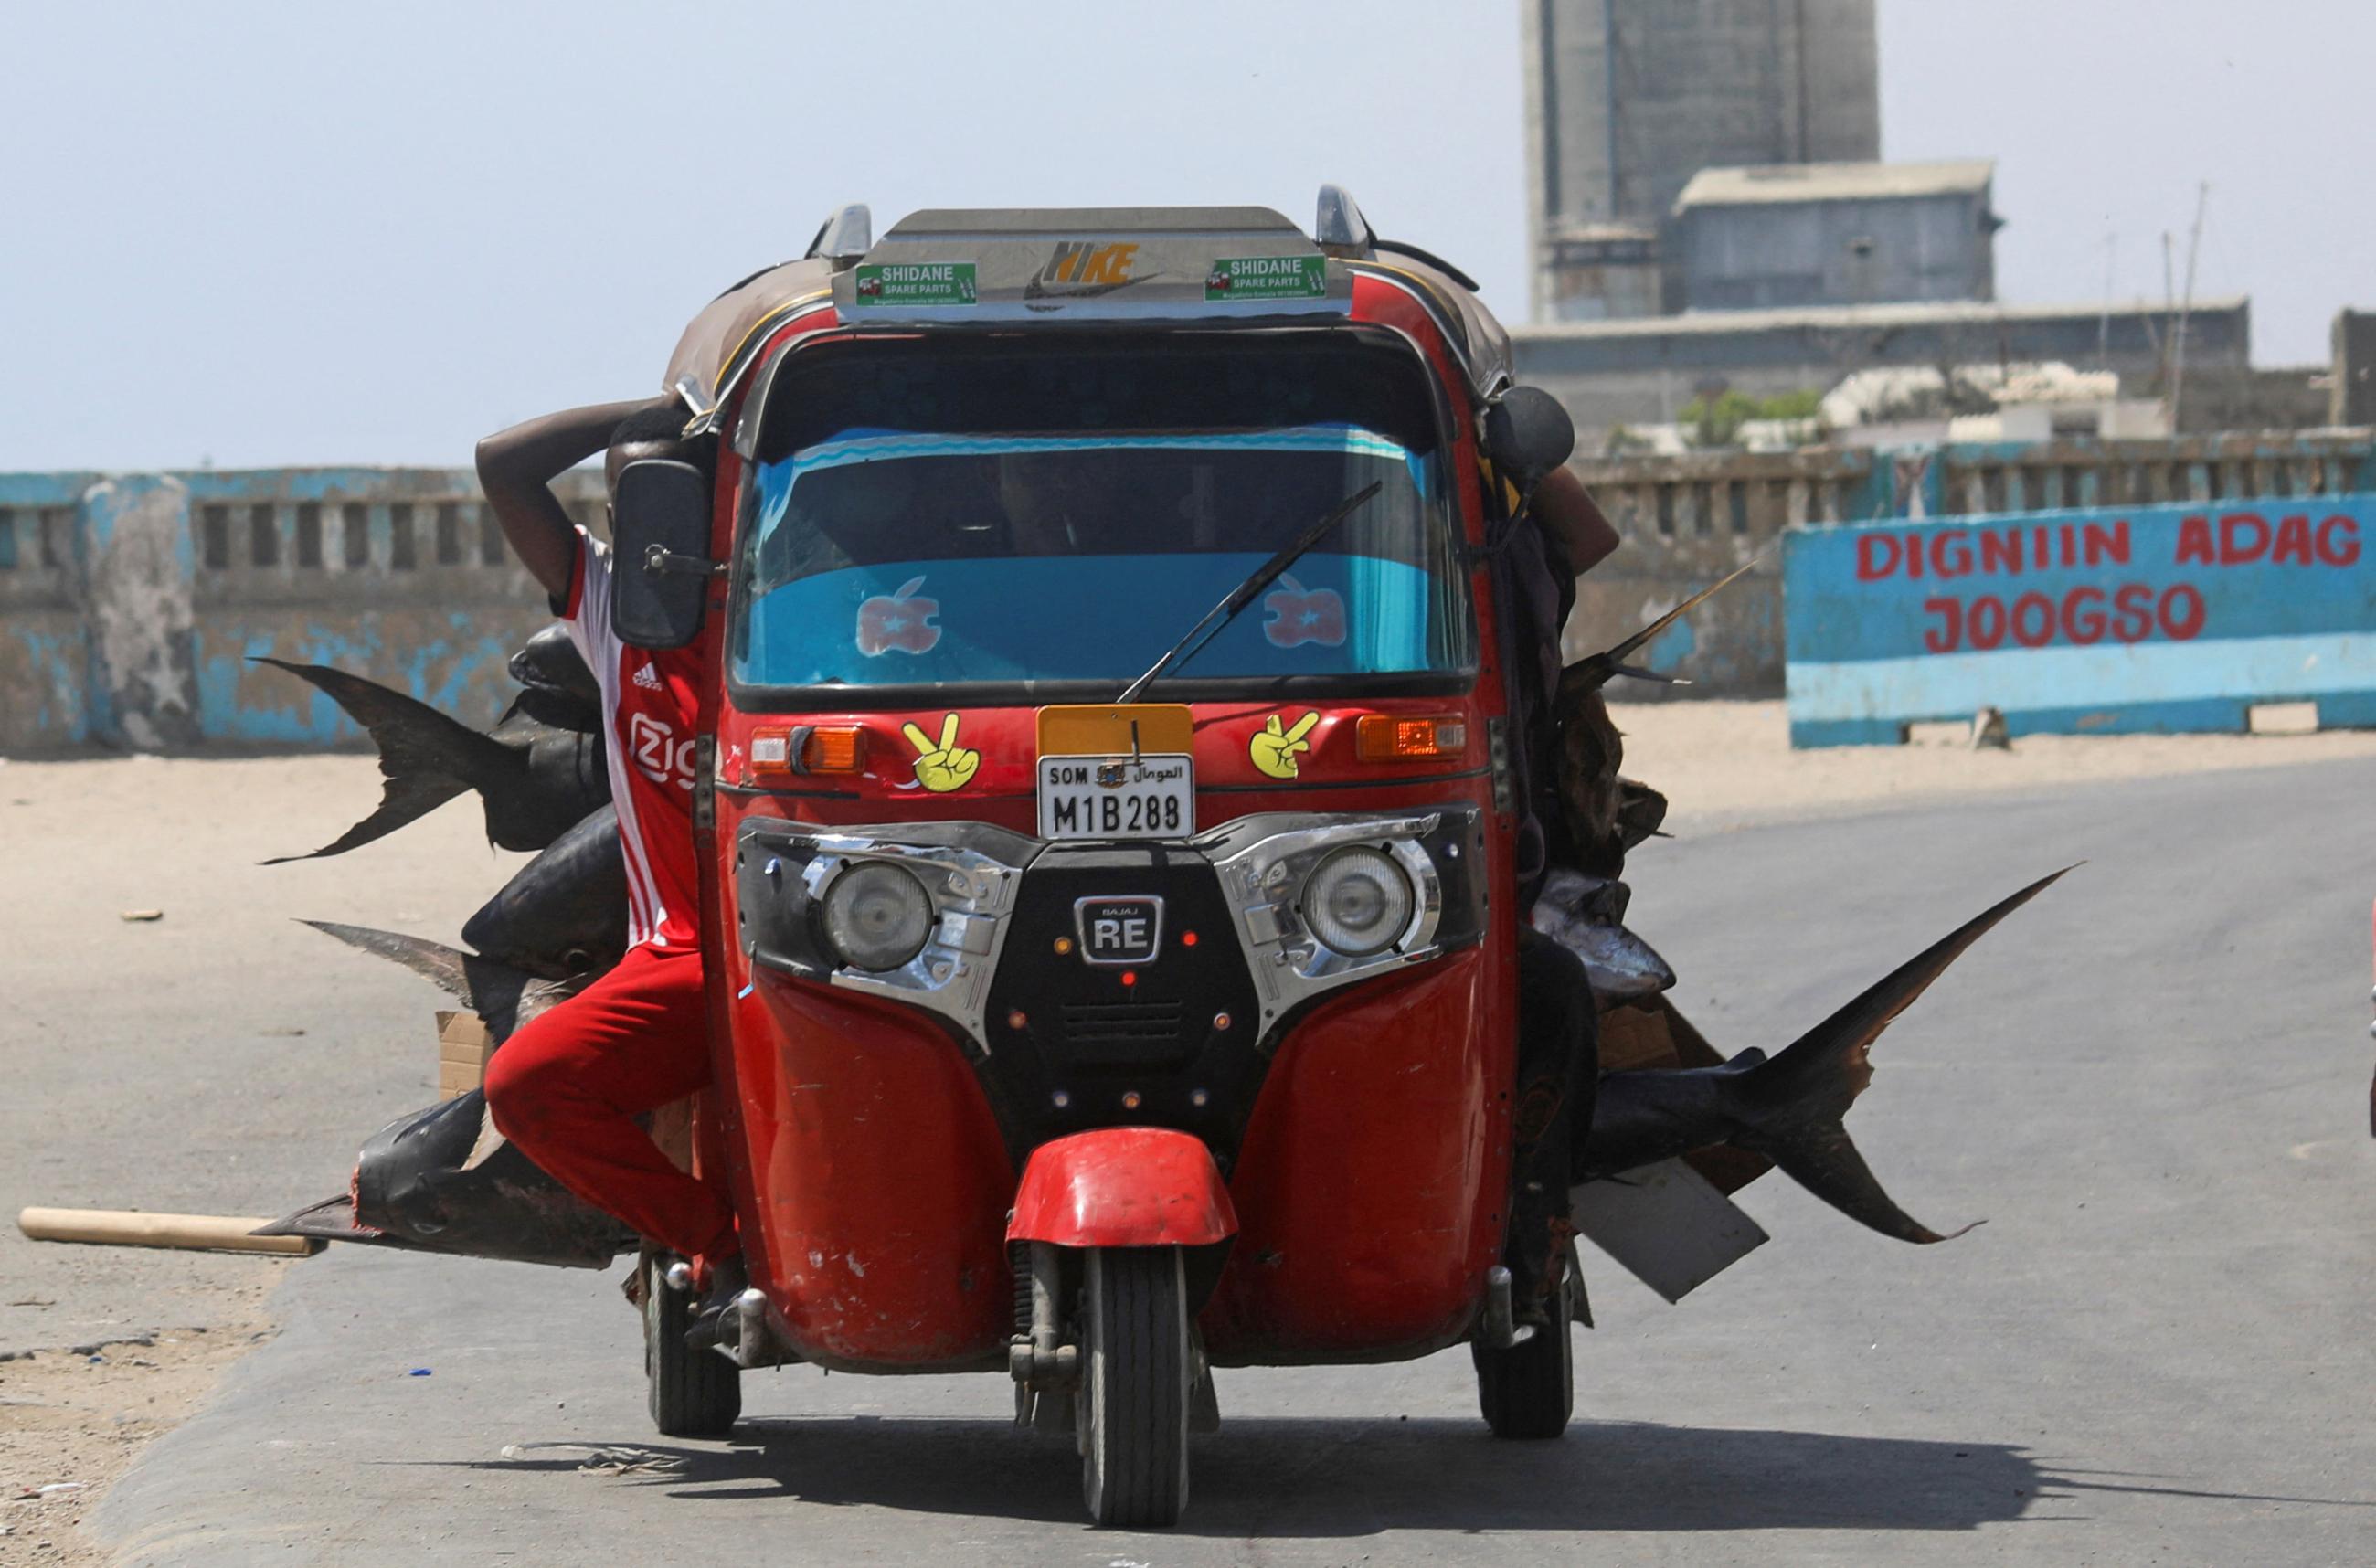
(942, 765)
(1277, 749)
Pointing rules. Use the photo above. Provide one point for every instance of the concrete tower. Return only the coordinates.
(1626, 100)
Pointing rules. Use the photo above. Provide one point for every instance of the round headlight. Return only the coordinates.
(1357, 902)
(876, 916)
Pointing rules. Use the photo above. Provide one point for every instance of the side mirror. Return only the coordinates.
(659, 567)
(1527, 434)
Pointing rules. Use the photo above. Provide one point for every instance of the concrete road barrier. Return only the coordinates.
(2167, 618)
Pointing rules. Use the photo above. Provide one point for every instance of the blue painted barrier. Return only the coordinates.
(2159, 618)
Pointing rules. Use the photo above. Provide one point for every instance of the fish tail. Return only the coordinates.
(1790, 1108)
(425, 757)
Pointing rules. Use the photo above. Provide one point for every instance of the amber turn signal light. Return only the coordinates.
(1394, 737)
(809, 748)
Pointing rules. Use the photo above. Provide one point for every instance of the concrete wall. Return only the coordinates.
(1686, 521)
(131, 604)
(44, 652)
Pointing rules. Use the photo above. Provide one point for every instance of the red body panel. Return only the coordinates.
(1370, 1186)
(866, 1164)
(877, 1187)
(1123, 1187)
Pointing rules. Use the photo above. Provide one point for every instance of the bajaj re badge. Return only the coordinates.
(1119, 930)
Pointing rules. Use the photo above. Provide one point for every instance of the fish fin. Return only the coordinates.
(425, 757)
(1791, 1107)
(504, 995)
(434, 961)
(1601, 668)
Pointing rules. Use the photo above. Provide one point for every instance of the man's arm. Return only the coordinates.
(1562, 504)
(517, 468)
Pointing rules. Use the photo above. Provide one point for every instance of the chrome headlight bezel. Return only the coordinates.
(1265, 881)
(785, 871)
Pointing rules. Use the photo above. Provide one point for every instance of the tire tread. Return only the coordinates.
(1527, 1392)
(690, 1393)
(1145, 1483)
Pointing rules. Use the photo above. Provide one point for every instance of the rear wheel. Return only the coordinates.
(1134, 1390)
(1528, 1392)
(692, 1393)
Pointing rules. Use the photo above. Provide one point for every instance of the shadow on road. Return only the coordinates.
(1290, 1478)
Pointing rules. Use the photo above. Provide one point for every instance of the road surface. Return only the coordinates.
(2152, 1083)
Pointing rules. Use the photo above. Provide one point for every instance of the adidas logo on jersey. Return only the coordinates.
(649, 678)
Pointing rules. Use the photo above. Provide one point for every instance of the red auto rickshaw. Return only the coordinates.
(1108, 813)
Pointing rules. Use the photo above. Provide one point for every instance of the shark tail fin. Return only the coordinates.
(1791, 1106)
(425, 757)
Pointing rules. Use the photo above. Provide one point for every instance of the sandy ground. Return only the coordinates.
(188, 1062)
(72, 1419)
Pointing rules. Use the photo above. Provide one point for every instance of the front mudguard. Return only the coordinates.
(1123, 1187)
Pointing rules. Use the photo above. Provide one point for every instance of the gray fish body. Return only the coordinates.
(563, 774)
(1586, 915)
(1640, 1118)
(555, 685)
(565, 912)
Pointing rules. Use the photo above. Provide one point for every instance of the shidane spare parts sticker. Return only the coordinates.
(916, 283)
(1267, 278)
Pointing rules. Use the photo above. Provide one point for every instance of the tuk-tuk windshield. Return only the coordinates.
(901, 558)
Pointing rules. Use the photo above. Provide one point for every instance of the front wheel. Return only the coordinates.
(1528, 1392)
(1133, 1401)
(692, 1393)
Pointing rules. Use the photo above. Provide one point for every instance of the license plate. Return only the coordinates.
(1149, 796)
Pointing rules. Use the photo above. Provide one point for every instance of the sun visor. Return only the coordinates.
(1092, 264)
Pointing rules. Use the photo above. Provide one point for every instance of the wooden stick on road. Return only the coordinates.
(126, 1227)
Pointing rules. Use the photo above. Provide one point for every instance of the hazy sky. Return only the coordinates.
(289, 234)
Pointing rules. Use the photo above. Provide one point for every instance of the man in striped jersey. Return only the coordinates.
(568, 1087)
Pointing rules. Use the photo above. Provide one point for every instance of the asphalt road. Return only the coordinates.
(2151, 1082)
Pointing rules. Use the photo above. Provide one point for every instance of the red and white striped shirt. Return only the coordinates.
(649, 710)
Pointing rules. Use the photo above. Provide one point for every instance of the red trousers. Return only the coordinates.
(568, 1087)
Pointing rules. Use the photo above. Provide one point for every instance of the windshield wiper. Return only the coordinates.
(1221, 614)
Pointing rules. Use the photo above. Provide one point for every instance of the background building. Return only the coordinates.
(1620, 374)
(1836, 234)
(1627, 99)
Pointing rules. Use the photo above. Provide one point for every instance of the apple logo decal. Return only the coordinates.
(901, 622)
(1299, 616)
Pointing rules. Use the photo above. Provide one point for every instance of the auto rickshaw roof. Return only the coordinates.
(1144, 266)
